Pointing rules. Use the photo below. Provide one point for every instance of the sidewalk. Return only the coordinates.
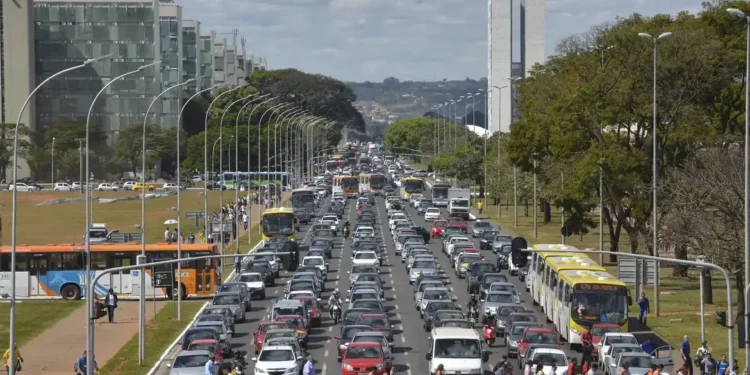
(55, 350)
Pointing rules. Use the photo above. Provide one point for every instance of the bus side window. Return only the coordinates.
(5, 262)
(21, 262)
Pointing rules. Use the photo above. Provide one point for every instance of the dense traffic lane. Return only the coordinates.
(459, 290)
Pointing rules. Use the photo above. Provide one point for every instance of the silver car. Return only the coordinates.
(422, 287)
(501, 241)
(425, 267)
(434, 294)
(189, 362)
(494, 300)
(358, 269)
(479, 227)
(233, 301)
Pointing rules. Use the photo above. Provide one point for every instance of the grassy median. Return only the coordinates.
(33, 318)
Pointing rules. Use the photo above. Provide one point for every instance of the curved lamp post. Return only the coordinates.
(14, 195)
(289, 147)
(142, 297)
(268, 143)
(285, 116)
(90, 299)
(206, 229)
(179, 207)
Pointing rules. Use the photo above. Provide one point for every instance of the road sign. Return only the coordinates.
(163, 275)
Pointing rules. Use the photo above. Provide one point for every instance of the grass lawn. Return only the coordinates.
(33, 318)
(65, 223)
(160, 333)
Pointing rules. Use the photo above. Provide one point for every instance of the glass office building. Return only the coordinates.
(69, 32)
(170, 41)
(191, 55)
(206, 46)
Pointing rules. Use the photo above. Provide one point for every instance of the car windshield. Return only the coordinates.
(375, 322)
(424, 286)
(489, 235)
(260, 266)
(600, 331)
(494, 279)
(364, 295)
(320, 243)
(423, 264)
(457, 348)
(482, 224)
(218, 311)
(363, 269)
(637, 361)
(211, 348)
(232, 288)
(502, 288)
(456, 324)
(350, 332)
(313, 262)
(369, 305)
(433, 210)
(549, 359)
(481, 267)
(621, 339)
(365, 256)
(518, 330)
(439, 223)
(359, 352)
(468, 258)
(226, 300)
(450, 315)
(367, 278)
(267, 327)
(500, 298)
(288, 310)
(368, 338)
(351, 316)
(436, 295)
(250, 278)
(276, 355)
(524, 318)
(439, 306)
(186, 361)
(541, 338)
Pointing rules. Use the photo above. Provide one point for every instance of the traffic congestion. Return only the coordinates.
(380, 280)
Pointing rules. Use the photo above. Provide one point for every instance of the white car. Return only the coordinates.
(367, 257)
(548, 356)
(107, 187)
(321, 192)
(255, 284)
(331, 218)
(364, 232)
(392, 226)
(611, 338)
(396, 216)
(62, 186)
(128, 185)
(414, 200)
(281, 359)
(457, 240)
(171, 186)
(23, 187)
(316, 261)
(432, 214)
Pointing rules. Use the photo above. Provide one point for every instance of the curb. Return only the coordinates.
(174, 344)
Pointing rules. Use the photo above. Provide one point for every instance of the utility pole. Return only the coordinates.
(80, 161)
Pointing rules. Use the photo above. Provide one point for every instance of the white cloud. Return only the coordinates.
(409, 39)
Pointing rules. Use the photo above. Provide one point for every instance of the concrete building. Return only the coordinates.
(220, 60)
(206, 46)
(503, 65)
(191, 56)
(17, 73)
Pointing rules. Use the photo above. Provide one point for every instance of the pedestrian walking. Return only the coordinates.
(685, 353)
(175, 235)
(191, 238)
(480, 206)
(644, 307)
(237, 263)
(111, 301)
(309, 368)
(13, 360)
(245, 220)
(722, 365)
(210, 367)
(167, 236)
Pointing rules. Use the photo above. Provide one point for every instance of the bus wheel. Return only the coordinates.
(70, 292)
(173, 292)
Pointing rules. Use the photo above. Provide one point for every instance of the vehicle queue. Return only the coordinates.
(357, 302)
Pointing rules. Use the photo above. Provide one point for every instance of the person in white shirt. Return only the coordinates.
(167, 236)
(245, 220)
(528, 369)
(592, 369)
(111, 301)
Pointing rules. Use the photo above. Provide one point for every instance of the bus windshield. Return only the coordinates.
(278, 223)
(332, 165)
(440, 191)
(413, 186)
(349, 183)
(599, 306)
(377, 181)
(457, 348)
(302, 198)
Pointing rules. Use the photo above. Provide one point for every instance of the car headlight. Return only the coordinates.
(260, 371)
(513, 343)
(292, 370)
(475, 371)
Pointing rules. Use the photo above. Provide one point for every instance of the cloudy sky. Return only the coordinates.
(358, 40)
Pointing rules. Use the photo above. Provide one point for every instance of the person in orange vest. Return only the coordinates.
(480, 206)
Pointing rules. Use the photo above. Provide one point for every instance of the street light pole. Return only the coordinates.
(179, 207)
(52, 172)
(654, 184)
(14, 198)
(499, 132)
(742, 14)
(142, 296)
(268, 145)
(206, 228)
(90, 298)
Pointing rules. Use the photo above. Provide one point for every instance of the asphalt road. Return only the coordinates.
(410, 339)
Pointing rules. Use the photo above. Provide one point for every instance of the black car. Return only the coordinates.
(352, 315)
(444, 315)
(264, 269)
(487, 238)
(475, 273)
(424, 277)
(489, 278)
(431, 310)
(323, 243)
(323, 233)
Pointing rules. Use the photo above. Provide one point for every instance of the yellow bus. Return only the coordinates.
(538, 267)
(411, 185)
(583, 298)
(555, 264)
(346, 185)
(278, 221)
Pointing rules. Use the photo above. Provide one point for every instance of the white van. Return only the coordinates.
(458, 349)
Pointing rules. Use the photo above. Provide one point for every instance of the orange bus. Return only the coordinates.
(59, 270)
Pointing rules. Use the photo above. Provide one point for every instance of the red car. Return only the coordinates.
(260, 334)
(378, 322)
(537, 336)
(457, 222)
(438, 226)
(211, 345)
(296, 323)
(365, 357)
(313, 310)
(597, 332)
(362, 207)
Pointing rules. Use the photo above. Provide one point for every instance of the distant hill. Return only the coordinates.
(382, 103)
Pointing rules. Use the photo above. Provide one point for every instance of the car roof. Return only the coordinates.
(217, 294)
(250, 273)
(278, 347)
(540, 330)
(287, 302)
(186, 353)
(364, 344)
(454, 333)
(549, 350)
(204, 341)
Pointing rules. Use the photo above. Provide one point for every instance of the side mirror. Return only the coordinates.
(630, 301)
(254, 359)
(337, 337)
(428, 356)
(485, 356)
(169, 365)
(319, 299)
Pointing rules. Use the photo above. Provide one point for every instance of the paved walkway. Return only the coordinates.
(55, 350)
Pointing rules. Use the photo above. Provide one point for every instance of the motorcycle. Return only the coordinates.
(489, 334)
(335, 313)
(346, 232)
(473, 317)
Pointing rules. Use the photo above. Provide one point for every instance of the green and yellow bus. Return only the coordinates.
(411, 185)
(278, 221)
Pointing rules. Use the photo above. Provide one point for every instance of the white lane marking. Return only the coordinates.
(276, 291)
(403, 339)
(330, 329)
(324, 368)
(396, 306)
(408, 367)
